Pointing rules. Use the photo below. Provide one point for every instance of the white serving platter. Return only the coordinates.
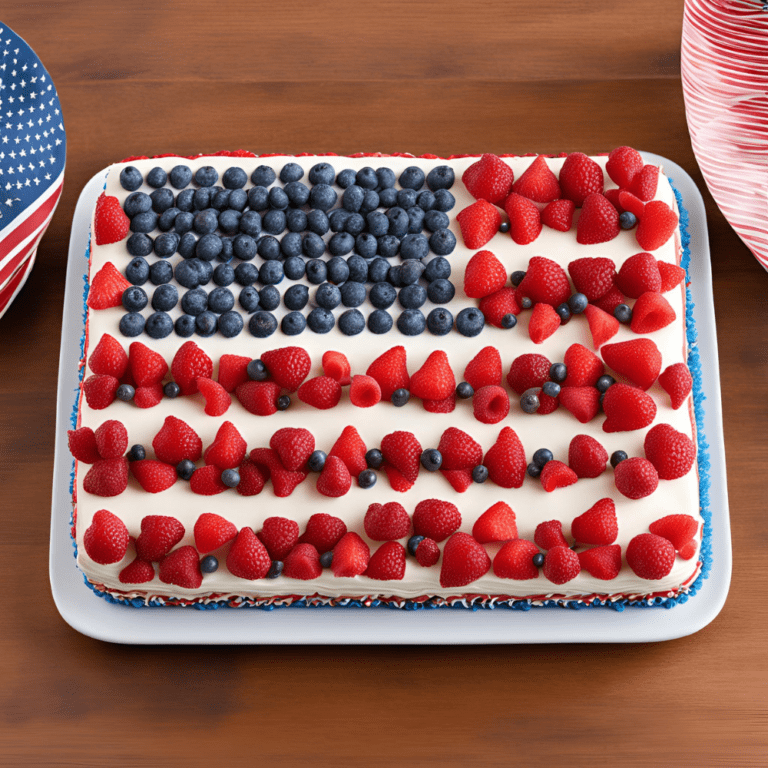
(100, 619)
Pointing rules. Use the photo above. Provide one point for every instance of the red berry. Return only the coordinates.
(644, 184)
(302, 562)
(656, 226)
(110, 223)
(207, 481)
(582, 402)
(107, 477)
(547, 404)
(515, 560)
(528, 371)
(321, 392)
(502, 302)
(489, 178)
(524, 219)
(586, 457)
(599, 221)
(543, 323)
(386, 521)
(490, 404)
(336, 365)
(545, 282)
(611, 300)
(212, 531)
(624, 163)
(227, 449)
(639, 274)
(689, 550)
(602, 326)
(159, 535)
(364, 392)
(106, 538)
(154, 476)
(650, 556)
(233, 371)
(558, 215)
(176, 440)
(137, 572)
(614, 196)
(323, 531)
(252, 478)
(483, 275)
(107, 287)
(638, 359)
(387, 562)
(335, 479)
(670, 451)
(478, 222)
(627, 408)
(99, 391)
(497, 523)
(631, 203)
(248, 557)
(182, 568)
(464, 561)
(435, 379)
(460, 479)
(557, 475)
(601, 562)
(593, 277)
(636, 478)
(279, 535)
(189, 362)
(148, 397)
(677, 382)
(427, 553)
(505, 460)
(598, 525)
(549, 535)
(294, 446)
(561, 565)
(459, 450)
(108, 357)
(436, 519)
(82, 445)
(390, 371)
(651, 313)
(350, 448)
(679, 529)
(217, 399)
(671, 276)
(288, 366)
(402, 453)
(579, 177)
(147, 366)
(484, 369)
(538, 183)
(258, 397)
(350, 556)
(284, 481)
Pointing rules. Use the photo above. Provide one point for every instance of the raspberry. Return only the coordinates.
(498, 304)
(650, 556)
(557, 475)
(598, 525)
(599, 221)
(99, 391)
(639, 274)
(436, 519)
(154, 476)
(294, 446)
(258, 397)
(175, 441)
(561, 565)
(248, 557)
(279, 535)
(479, 222)
(624, 163)
(582, 402)
(335, 479)
(464, 561)
(543, 323)
(321, 392)
(227, 449)
(459, 450)
(107, 288)
(613, 195)
(558, 215)
(671, 276)
(323, 531)
(460, 479)
(288, 366)
(302, 562)
(489, 178)
(528, 371)
(679, 529)
(670, 451)
(387, 562)
(110, 224)
(645, 182)
(593, 277)
(364, 392)
(386, 521)
(484, 369)
(252, 478)
(651, 313)
(490, 404)
(538, 183)
(350, 556)
(189, 362)
(207, 481)
(627, 408)
(549, 535)
(602, 326)
(586, 457)
(602, 563)
(107, 477)
(106, 538)
(483, 275)
(159, 535)
(677, 382)
(639, 360)
(350, 448)
(147, 366)
(82, 445)
(108, 357)
(497, 523)
(611, 300)
(284, 481)
(547, 404)
(656, 226)
(182, 568)
(689, 550)
(440, 406)
(636, 478)
(545, 282)
(427, 553)
(390, 371)
(579, 177)
(233, 371)
(630, 203)
(515, 560)
(212, 531)
(137, 572)
(524, 219)
(148, 397)
(435, 379)
(505, 460)
(402, 454)
(336, 365)
(217, 399)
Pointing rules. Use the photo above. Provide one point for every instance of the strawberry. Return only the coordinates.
(490, 404)
(336, 365)
(108, 357)
(505, 460)
(538, 183)
(383, 522)
(545, 282)
(159, 535)
(176, 440)
(212, 531)
(524, 219)
(288, 366)
(543, 323)
(558, 215)
(580, 176)
(602, 563)
(110, 223)
(638, 274)
(252, 478)
(528, 371)
(602, 326)
(483, 275)
(99, 391)
(489, 178)
(547, 404)
(478, 222)
(631, 203)
(644, 184)
(636, 478)
(593, 277)
(82, 445)
(147, 366)
(137, 572)
(679, 529)
(611, 300)
(217, 399)
(284, 481)
(427, 553)
(233, 371)
(464, 561)
(689, 550)
(459, 450)
(549, 535)
(586, 457)
(390, 371)
(460, 479)
(206, 481)
(670, 451)
(248, 557)
(584, 367)
(335, 479)
(599, 221)
(484, 369)
(515, 560)
(497, 523)
(228, 448)
(294, 446)
(148, 397)
(561, 565)
(650, 556)
(321, 392)
(435, 379)
(557, 475)
(671, 276)
(111, 439)
(613, 196)
(107, 287)
(182, 568)
(258, 397)
(656, 226)
(677, 382)
(639, 360)
(502, 302)
(154, 476)
(350, 448)
(364, 392)
(323, 531)
(627, 408)
(189, 362)
(107, 477)
(624, 163)
(387, 563)
(582, 402)
(350, 556)
(402, 454)
(106, 538)
(651, 313)
(302, 562)
(279, 535)
(598, 525)
(436, 519)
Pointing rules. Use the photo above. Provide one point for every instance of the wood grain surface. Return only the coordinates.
(147, 78)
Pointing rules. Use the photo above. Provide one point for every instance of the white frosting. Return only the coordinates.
(531, 503)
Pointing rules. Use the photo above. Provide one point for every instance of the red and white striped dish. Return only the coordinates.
(725, 85)
(16, 283)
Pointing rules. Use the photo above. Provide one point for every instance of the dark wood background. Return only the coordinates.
(147, 78)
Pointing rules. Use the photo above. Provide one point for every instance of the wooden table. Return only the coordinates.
(141, 78)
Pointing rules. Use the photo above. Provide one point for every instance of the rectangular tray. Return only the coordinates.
(97, 618)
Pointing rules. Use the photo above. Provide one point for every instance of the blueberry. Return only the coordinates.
(293, 324)
(278, 199)
(208, 247)
(316, 460)
(398, 222)
(220, 300)
(352, 198)
(415, 220)
(388, 246)
(171, 390)
(165, 298)
(230, 477)
(320, 320)
(326, 559)
(374, 458)
(250, 223)
(206, 324)
(185, 469)
(412, 178)
(413, 544)
(409, 272)
(465, 390)
(137, 271)
(269, 298)
(162, 200)
(328, 296)
(144, 222)
(183, 223)
(551, 388)
(268, 248)
(317, 272)
(411, 322)
(234, 178)
(504, 227)
(283, 403)
(529, 402)
(617, 457)
(439, 321)
(542, 456)
(604, 382)
(187, 245)
(230, 324)
(366, 245)
(358, 269)
(351, 322)
(400, 397)
(517, 277)
(406, 198)
(444, 200)
(249, 299)
(166, 244)
(480, 474)
(246, 274)
(526, 303)
(367, 178)
(185, 326)
(322, 197)
(385, 177)
(206, 176)
(387, 197)
(134, 299)
(322, 173)
(291, 172)
(206, 222)
(382, 295)
(341, 244)
(538, 560)
(355, 224)
(125, 393)
(194, 302)
(258, 198)
(201, 199)
(274, 222)
(380, 321)
(412, 296)
(157, 177)
(414, 247)
(139, 244)
(224, 275)
(378, 223)
(237, 200)
(130, 178)
(275, 569)
(441, 291)
(271, 273)
(437, 269)
(185, 200)
(337, 219)
(296, 297)
(209, 564)
(346, 178)
(159, 325)
(263, 176)
(578, 303)
(313, 245)
(623, 314)
(204, 270)
(294, 267)
(442, 242)
(137, 452)
(627, 220)
(352, 294)
(508, 321)
(180, 176)
(366, 479)
(136, 203)
(378, 269)
(296, 220)
(167, 219)
(229, 222)
(564, 311)
(220, 200)
(441, 177)
(426, 201)
(470, 321)
(431, 459)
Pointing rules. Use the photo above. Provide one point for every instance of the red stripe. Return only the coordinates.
(7, 293)
(29, 225)
(7, 271)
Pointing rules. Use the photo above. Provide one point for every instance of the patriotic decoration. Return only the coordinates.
(725, 80)
(32, 155)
